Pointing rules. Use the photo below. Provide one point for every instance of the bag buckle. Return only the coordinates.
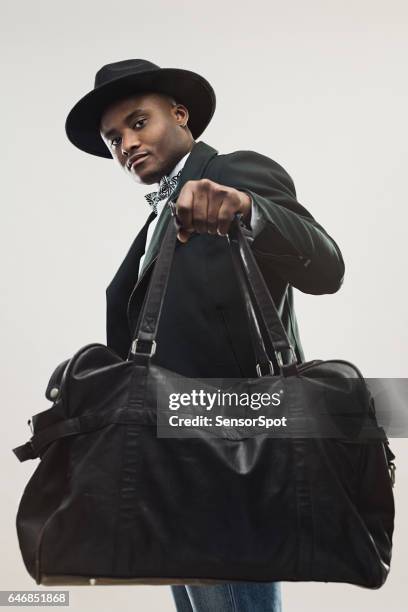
(258, 368)
(134, 348)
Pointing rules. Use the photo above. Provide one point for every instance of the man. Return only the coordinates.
(148, 119)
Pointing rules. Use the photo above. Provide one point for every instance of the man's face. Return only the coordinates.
(150, 124)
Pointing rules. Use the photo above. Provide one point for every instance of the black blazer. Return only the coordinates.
(203, 330)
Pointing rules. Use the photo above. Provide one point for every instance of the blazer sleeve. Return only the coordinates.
(257, 219)
(287, 236)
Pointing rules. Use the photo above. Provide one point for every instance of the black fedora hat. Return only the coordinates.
(128, 77)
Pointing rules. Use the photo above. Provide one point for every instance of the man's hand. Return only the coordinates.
(204, 206)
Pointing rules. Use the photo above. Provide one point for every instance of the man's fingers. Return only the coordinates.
(200, 207)
(225, 216)
(184, 206)
(214, 204)
(206, 207)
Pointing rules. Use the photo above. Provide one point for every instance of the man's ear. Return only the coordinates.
(184, 115)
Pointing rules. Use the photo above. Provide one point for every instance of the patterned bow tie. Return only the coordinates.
(166, 187)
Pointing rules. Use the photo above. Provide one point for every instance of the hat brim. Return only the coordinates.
(188, 88)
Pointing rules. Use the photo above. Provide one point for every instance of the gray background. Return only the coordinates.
(318, 86)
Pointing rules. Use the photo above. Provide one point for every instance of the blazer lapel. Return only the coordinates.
(124, 280)
(155, 241)
(194, 168)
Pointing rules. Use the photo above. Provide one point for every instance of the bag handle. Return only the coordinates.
(144, 340)
(151, 310)
(261, 354)
(260, 295)
(152, 304)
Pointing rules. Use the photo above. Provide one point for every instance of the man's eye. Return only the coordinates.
(139, 121)
(113, 143)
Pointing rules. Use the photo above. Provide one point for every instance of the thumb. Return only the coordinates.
(184, 235)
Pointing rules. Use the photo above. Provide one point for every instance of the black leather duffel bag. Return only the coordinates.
(112, 502)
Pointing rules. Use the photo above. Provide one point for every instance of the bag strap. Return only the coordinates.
(259, 294)
(261, 354)
(146, 332)
(144, 339)
(78, 425)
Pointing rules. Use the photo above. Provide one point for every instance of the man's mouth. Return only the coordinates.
(138, 160)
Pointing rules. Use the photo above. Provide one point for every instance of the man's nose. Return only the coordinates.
(130, 141)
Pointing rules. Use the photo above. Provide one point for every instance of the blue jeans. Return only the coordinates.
(231, 597)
